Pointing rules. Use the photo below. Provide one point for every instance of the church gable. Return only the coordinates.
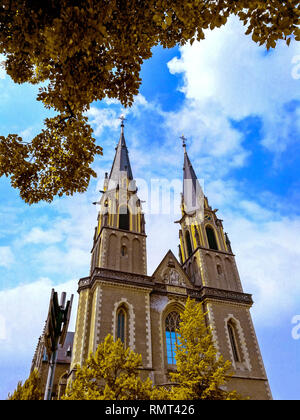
(169, 272)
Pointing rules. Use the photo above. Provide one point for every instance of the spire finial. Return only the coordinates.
(183, 142)
(122, 118)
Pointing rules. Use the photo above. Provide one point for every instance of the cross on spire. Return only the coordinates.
(122, 118)
(183, 142)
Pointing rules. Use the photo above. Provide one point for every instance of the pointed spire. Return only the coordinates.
(121, 162)
(192, 191)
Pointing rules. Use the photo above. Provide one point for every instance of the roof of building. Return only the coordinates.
(121, 162)
(64, 352)
(191, 186)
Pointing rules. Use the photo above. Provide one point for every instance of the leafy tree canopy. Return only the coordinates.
(30, 390)
(86, 50)
(112, 373)
(202, 374)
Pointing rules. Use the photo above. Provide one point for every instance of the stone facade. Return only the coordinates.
(118, 286)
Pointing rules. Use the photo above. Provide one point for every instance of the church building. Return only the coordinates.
(120, 298)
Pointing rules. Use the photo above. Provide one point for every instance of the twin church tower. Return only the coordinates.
(143, 311)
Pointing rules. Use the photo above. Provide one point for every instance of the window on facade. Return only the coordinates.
(197, 236)
(233, 343)
(45, 356)
(121, 318)
(211, 237)
(180, 254)
(219, 269)
(124, 218)
(172, 325)
(123, 251)
(188, 243)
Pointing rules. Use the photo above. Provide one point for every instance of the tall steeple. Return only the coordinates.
(202, 238)
(143, 311)
(121, 222)
(121, 164)
(192, 191)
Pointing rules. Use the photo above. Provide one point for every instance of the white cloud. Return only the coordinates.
(2, 328)
(212, 136)
(267, 248)
(27, 134)
(23, 311)
(55, 260)
(102, 118)
(268, 258)
(61, 243)
(228, 76)
(39, 236)
(6, 257)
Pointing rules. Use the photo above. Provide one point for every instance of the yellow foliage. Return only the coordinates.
(112, 373)
(201, 373)
(89, 49)
(30, 390)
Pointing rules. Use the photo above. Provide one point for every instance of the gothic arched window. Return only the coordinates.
(171, 327)
(197, 237)
(188, 243)
(211, 237)
(124, 218)
(123, 251)
(233, 342)
(121, 325)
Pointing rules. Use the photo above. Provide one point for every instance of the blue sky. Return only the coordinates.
(239, 107)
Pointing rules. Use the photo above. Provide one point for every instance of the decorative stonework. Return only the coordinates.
(177, 290)
(222, 295)
(246, 358)
(258, 354)
(98, 317)
(212, 323)
(158, 303)
(114, 283)
(148, 331)
(172, 277)
(103, 273)
(85, 329)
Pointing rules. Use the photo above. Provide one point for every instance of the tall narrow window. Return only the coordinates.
(172, 325)
(233, 343)
(121, 325)
(188, 243)
(124, 217)
(211, 237)
(197, 236)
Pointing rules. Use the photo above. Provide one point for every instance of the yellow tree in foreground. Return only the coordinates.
(85, 50)
(30, 390)
(112, 373)
(201, 374)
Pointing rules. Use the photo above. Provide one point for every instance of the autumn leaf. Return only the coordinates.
(87, 50)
